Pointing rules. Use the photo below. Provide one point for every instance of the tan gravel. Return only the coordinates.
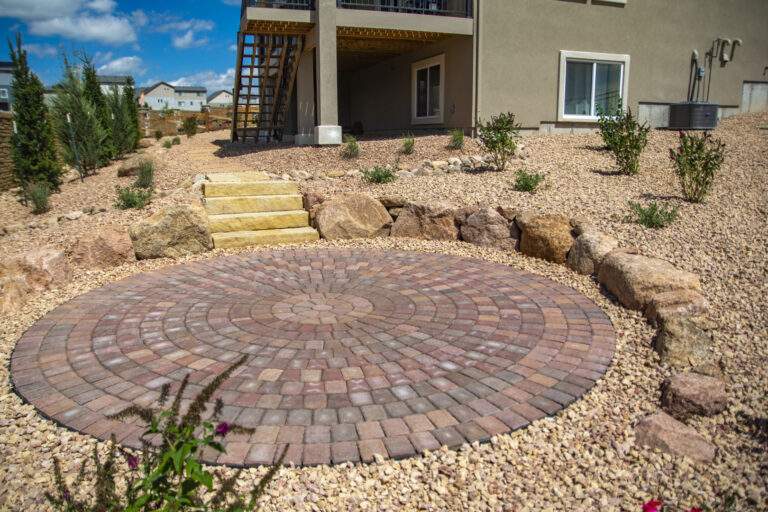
(582, 459)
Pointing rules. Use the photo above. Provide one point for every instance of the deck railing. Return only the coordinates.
(280, 4)
(457, 8)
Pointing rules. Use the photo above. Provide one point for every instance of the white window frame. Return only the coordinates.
(415, 67)
(594, 58)
(4, 93)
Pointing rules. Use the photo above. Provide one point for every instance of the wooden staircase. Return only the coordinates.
(266, 73)
(248, 209)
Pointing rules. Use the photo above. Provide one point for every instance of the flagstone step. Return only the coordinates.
(217, 177)
(264, 237)
(229, 222)
(253, 204)
(253, 188)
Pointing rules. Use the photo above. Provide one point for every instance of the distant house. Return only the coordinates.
(6, 98)
(220, 98)
(108, 81)
(162, 95)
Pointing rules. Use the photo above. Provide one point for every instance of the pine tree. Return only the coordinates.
(32, 144)
(122, 137)
(77, 124)
(132, 109)
(97, 98)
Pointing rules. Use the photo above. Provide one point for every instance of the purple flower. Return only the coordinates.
(222, 429)
(66, 495)
(133, 461)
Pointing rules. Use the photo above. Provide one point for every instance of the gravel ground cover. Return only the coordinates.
(582, 459)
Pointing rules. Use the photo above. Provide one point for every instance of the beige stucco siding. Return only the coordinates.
(520, 43)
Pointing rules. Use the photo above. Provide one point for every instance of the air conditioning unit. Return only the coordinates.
(692, 115)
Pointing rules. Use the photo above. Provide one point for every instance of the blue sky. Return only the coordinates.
(184, 42)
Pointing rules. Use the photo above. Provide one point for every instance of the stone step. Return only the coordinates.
(229, 222)
(253, 204)
(218, 177)
(264, 237)
(252, 188)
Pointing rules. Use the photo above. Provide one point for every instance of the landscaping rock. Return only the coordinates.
(681, 342)
(429, 222)
(172, 232)
(393, 201)
(107, 247)
(14, 292)
(691, 394)
(675, 303)
(663, 432)
(487, 227)
(312, 199)
(545, 236)
(635, 279)
(131, 166)
(146, 143)
(352, 216)
(509, 213)
(43, 268)
(589, 250)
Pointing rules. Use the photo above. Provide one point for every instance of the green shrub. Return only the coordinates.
(527, 181)
(379, 174)
(176, 141)
(38, 193)
(457, 139)
(653, 216)
(499, 137)
(697, 159)
(158, 134)
(628, 140)
(351, 148)
(146, 176)
(608, 125)
(409, 143)
(189, 126)
(168, 474)
(167, 144)
(132, 197)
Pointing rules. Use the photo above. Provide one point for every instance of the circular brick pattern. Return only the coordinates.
(351, 353)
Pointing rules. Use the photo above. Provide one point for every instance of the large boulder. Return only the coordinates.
(488, 228)
(589, 250)
(690, 394)
(675, 303)
(33, 271)
(663, 432)
(634, 279)
(131, 166)
(352, 216)
(14, 292)
(682, 342)
(107, 247)
(545, 236)
(172, 232)
(429, 222)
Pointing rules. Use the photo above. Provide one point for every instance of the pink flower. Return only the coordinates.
(222, 429)
(133, 461)
(653, 506)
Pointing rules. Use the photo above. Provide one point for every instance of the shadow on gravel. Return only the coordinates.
(605, 172)
(597, 149)
(660, 197)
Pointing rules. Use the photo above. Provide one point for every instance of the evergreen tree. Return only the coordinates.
(131, 106)
(77, 124)
(97, 98)
(122, 136)
(32, 145)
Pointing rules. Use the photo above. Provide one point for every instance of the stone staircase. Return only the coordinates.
(248, 209)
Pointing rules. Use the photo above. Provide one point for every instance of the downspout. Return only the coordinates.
(476, 68)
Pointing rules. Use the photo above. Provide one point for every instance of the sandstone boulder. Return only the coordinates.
(429, 222)
(545, 236)
(487, 227)
(131, 166)
(108, 247)
(44, 268)
(352, 216)
(675, 303)
(311, 200)
(14, 292)
(690, 394)
(663, 432)
(393, 201)
(589, 250)
(634, 279)
(146, 142)
(172, 232)
(682, 343)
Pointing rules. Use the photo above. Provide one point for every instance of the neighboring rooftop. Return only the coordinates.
(216, 93)
(177, 88)
(4, 64)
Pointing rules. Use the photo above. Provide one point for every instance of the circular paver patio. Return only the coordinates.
(351, 352)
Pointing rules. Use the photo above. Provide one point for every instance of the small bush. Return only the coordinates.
(351, 148)
(697, 159)
(608, 125)
(167, 144)
(653, 216)
(628, 139)
(499, 137)
(132, 197)
(189, 127)
(379, 174)
(457, 139)
(527, 181)
(409, 143)
(38, 193)
(146, 176)
(176, 141)
(158, 134)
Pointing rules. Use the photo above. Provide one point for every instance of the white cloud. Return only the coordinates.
(131, 65)
(233, 47)
(209, 79)
(104, 29)
(38, 9)
(188, 40)
(231, 2)
(175, 25)
(41, 50)
(139, 18)
(103, 6)
(102, 57)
